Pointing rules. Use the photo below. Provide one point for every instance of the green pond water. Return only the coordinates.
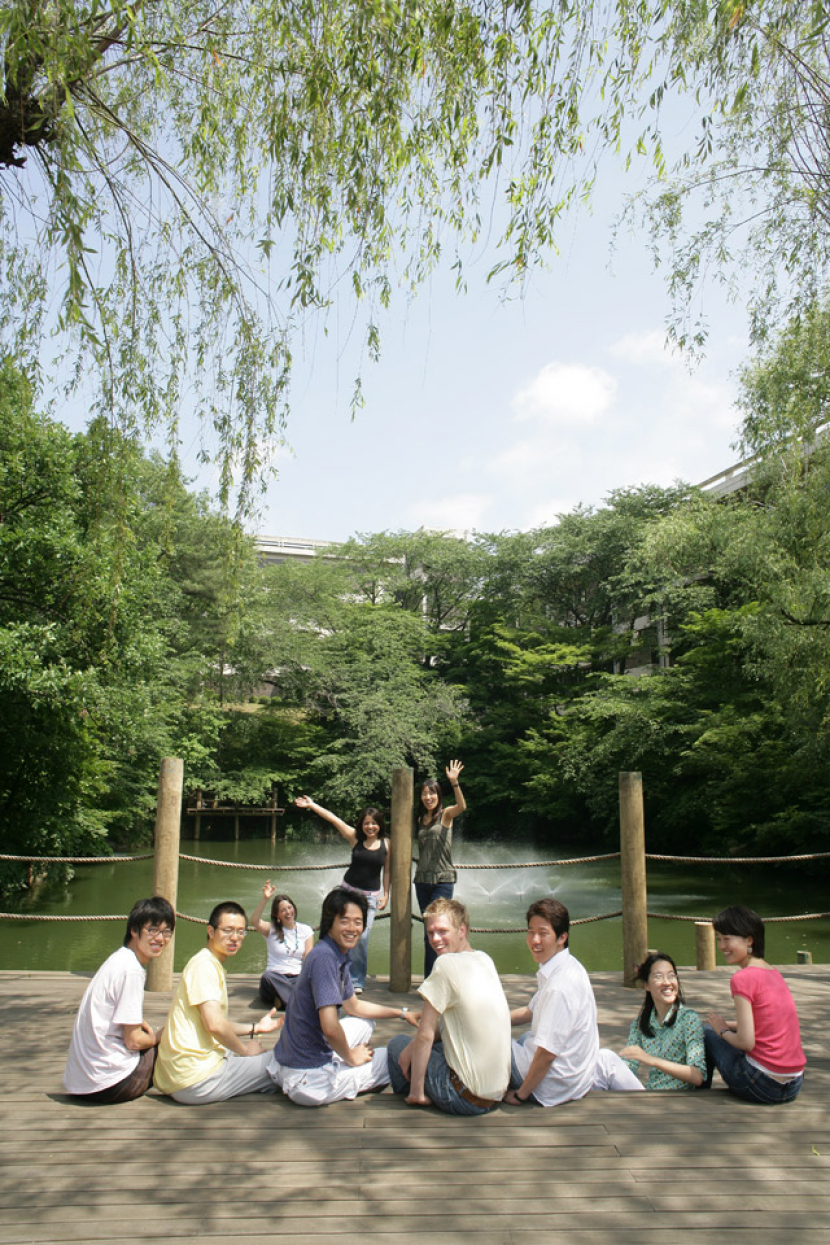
(496, 899)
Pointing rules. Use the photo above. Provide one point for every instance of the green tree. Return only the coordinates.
(202, 178)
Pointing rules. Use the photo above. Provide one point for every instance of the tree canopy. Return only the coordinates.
(185, 184)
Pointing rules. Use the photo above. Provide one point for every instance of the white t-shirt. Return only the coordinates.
(564, 1024)
(475, 1020)
(287, 956)
(98, 1057)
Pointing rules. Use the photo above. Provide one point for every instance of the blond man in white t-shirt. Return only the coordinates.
(459, 1060)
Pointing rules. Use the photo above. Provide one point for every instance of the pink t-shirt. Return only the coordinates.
(777, 1038)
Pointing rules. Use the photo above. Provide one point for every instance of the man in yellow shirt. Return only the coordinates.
(202, 1057)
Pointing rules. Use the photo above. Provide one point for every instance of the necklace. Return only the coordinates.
(285, 932)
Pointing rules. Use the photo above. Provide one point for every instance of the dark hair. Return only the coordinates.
(149, 912)
(431, 784)
(335, 904)
(377, 816)
(228, 908)
(745, 923)
(643, 973)
(554, 912)
(275, 908)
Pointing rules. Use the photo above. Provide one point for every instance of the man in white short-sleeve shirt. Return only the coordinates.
(560, 1058)
(113, 1049)
(459, 1061)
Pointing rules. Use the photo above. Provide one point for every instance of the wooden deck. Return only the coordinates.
(613, 1168)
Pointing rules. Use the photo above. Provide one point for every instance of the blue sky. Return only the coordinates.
(494, 413)
(497, 415)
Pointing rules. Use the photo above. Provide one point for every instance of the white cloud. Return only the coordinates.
(459, 512)
(565, 394)
(648, 346)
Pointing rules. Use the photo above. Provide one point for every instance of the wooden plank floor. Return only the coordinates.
(612, 1168)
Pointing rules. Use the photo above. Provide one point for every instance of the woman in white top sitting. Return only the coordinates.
(288, 942)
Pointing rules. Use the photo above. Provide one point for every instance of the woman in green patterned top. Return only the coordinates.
(667, 1036)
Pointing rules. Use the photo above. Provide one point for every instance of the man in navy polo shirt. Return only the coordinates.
(319, 1057)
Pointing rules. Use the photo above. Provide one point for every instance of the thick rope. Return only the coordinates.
(521, 864)
(77, 860)
(232, 864)
(736, 860)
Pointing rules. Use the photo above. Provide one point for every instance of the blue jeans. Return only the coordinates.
(516, 1077)
(739, 1074)
(359, 958)
(437, 1085)
(425, 892)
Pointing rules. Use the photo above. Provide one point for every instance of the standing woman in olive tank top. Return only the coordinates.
(368, 872)
(435, 875)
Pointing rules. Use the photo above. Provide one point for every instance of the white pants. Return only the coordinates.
(612, 1072)
(315, 1087)
(239, 1074)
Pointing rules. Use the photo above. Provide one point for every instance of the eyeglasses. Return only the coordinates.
(155, 932)
(660, 978)
(233, 933)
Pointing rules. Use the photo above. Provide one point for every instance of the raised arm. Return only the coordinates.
(454, 810)
(349, 833)
(268, 892)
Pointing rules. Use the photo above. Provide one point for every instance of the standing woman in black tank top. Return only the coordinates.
(368, 872)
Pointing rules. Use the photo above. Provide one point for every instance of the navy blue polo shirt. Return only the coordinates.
(325, 981)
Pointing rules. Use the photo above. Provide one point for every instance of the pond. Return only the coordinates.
(497, 899)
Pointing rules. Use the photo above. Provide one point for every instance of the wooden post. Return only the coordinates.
(633, 874)
(804, 957)
(198, 820)
(273, 816)
(400, 937)
(704, 945)
(236, 826)
(166, 860)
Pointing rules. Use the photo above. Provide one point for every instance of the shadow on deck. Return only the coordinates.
(613, 1168)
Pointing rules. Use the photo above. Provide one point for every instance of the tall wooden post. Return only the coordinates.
(704, 945)
(400, 938)
(273, 815)
(633, 874)
(166, 860)
(197, 830)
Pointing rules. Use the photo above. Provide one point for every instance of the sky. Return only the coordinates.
(495, 414)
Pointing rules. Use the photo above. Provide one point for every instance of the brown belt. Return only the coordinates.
(467, 1094)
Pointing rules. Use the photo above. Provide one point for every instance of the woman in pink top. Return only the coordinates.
(758, 1053)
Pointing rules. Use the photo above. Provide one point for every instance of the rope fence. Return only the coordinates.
(519, 864)
(385, 916)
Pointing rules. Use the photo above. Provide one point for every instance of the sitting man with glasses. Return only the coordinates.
(113, 1048)
(202, 1057)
